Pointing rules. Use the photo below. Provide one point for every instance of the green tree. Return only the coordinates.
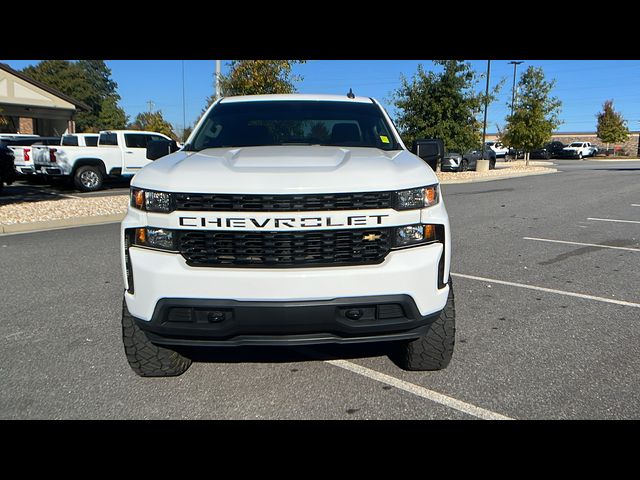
(442, 105)
(536, 115)
(153, 122)
(612, 128)
(86, 80)
(258, 77)
(111, 116)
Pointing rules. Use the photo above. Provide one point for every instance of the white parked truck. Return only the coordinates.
(579, 150)
(117, 153)
(499, 148)
(288, 220)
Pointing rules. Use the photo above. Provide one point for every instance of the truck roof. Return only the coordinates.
(295, 96)
(130, 131)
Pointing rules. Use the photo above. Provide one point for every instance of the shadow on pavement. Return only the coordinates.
(42, 190)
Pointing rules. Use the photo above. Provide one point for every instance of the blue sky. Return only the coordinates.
(581, 85)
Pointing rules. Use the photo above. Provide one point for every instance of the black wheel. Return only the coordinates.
(580, 156)
(88, 178)
(145, 358)
(432, 351)
(464, 165)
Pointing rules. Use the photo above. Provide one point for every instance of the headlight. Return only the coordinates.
(152, 201)
(414, 235)
(160, 238)
(417, 197)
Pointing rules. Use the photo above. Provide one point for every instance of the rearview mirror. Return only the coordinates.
(431, 150)
(159, 148)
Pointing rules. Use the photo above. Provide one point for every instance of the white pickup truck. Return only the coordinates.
(22, 147)
(579, 150)
(288, 220)
(117, 153)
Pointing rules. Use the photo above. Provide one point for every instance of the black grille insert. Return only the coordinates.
(283, 203)
(287, 249)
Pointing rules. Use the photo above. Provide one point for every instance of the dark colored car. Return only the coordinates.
(550, 150)
(7, 169)
(456, 162)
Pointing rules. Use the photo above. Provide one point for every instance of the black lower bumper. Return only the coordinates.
(232, 323)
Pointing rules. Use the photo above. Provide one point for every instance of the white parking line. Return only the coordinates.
(419, 391)
(549, 290)
(612, 220)
(635, 204)
(579, 243)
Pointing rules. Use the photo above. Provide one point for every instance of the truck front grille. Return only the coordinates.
(284, 249)
(283, 203)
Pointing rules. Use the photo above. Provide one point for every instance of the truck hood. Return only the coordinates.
(285, 169)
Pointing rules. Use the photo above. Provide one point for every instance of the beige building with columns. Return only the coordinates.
(31, 107)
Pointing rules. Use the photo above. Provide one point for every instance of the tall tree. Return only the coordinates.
(86, 80)
(154, 122)
(442, 105)
(105, 91)
(111, 116)
(258, 77)
(536, 115)
(612, 128)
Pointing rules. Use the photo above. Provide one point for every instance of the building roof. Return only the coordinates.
(45, 87)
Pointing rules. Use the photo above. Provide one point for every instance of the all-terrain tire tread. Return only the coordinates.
(145, 358)
(432, 351)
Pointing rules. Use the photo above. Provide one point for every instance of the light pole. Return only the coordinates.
(513, 89)
(486, 105)
(184, 110)
(218, 93)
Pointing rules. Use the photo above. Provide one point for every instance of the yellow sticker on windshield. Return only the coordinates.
(384, 139)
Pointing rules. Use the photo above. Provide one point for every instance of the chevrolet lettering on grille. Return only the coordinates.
(282, 222)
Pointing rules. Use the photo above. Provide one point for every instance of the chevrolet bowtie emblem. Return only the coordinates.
(371, 237)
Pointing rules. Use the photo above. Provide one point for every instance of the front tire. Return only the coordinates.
(145, 358)
(88, 178)
(432, 351)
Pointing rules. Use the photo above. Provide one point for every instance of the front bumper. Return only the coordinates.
(232, 323)
(413, 271)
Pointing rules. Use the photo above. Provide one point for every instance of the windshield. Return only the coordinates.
(263, 123)
(576, 144)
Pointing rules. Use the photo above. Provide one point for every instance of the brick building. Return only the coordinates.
(630, 147)
(31, 107)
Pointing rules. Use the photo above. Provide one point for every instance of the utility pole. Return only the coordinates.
(150, 104)
(513, 89)
(184, 110)
(486, 105)
(218, 93)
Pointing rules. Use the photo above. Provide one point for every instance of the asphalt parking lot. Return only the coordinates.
(548, 323)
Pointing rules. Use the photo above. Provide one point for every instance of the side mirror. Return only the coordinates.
(431, 150)
(159, 148)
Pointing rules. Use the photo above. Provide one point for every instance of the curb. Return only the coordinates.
(62, 223)
(612, 159)
(501, 177)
